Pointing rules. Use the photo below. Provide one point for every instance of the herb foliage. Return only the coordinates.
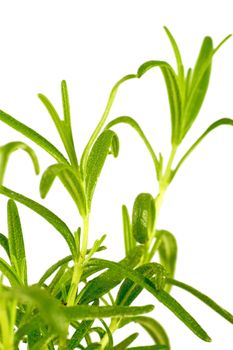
(58, 312)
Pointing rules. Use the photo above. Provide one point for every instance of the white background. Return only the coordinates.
(92, 44)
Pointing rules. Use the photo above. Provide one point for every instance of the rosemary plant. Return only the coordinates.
(60, 312)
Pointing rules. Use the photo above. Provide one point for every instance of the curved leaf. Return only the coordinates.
(53, 268)
(67, 122)
(174, 94)
(96, 160)
(33, 135)
(129, 290)
(130, 121)
(4, 243)
(153, 328)
(204, 298)
(129, 240)
(74, 182)
(180, 67)
(103, 283)
(102, 121)
(48, 215)
(143, 217)
(6, 150)
(16, 242)
(7, 271)
(216, 124)
(127, 341)
(165, 298)
(79, 334)
(167, 252)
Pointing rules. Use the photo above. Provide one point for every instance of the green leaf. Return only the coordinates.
(129, 291)
(204, 298)
(33, 135)
(143, 217)
(126, 342)
(48, 215)
(174, 94)
(96, 160)
(16, 242)
(4, 243)
(31, 328)
(130, 121)
(7, 271)
(89, 312)
(180, 67)
(53, 268)
(162, 296)
(129, 240)
(67, 122)
(109, 345)
(74, 181)
(103, 283)
(79, 334)
(43, 342)
(65, 103)
(102, 121)
(153, 328)
(216, 124)
(48, 307)
(198, 85)
(6, 150)
(167, 252)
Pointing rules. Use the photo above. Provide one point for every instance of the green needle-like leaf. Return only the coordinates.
(198, 85)
(88, 312)
(174, 94)
(4, 244)
(48, 215)
(130, 121)
(102, 121)
(96, 160)
(129, 240)
(103, 283)
(204, 298)
(67, 121)
(53, 268)
(129, 290)
(79, 334)
(223, 121)
(167, 252)
(7, 271)
(153, 328)
(16, 242)
(166, 299)
(126, 342)
(180, 67)
(6, 150)
(33, 135)
(74, 182)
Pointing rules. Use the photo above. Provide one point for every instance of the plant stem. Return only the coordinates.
(163, 185)
(78, 265)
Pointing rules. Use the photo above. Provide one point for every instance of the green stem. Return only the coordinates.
(78, 265)
(163, 184)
